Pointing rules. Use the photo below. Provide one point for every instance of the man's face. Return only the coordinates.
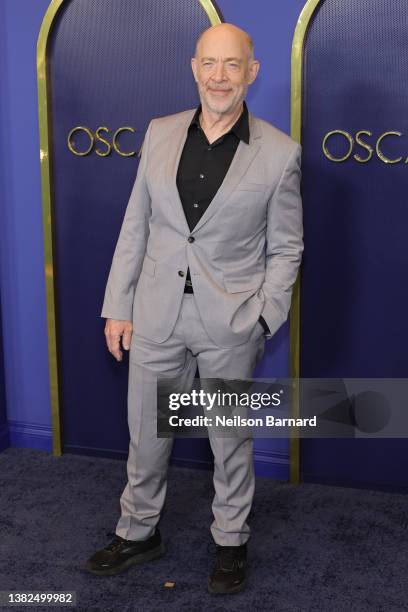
(223, 69)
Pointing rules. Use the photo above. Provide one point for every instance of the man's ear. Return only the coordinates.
(253, 71)
(194, 67)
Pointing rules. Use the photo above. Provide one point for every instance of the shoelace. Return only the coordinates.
(115, 544)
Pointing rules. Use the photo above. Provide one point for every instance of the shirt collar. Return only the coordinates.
(240, 127)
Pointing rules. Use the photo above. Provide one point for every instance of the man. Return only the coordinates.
(203, 269)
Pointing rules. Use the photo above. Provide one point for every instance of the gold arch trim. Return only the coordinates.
(211, 11)
(46, 181)
(296, 133)
(44, 116)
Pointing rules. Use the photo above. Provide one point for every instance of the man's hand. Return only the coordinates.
(114, 331)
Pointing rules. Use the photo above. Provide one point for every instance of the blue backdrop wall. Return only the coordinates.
(21, 263)
(22, 272)
(4, 434)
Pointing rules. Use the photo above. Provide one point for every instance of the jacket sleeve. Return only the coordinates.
(131, 246)
(284, 243)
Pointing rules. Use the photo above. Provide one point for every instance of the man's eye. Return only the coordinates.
(233, 65)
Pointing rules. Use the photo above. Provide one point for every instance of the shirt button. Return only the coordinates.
(190, 239)
(180, 273)
(195, 205)
(209, 148)
(201, 176)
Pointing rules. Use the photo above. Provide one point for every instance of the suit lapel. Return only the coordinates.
(177, 141)
(243, 157)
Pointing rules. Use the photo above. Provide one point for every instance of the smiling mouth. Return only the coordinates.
(219, 91)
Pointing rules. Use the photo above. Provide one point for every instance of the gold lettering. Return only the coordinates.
(328, 154)
(71, 143)
(102, 128)
(365, 146)
(380, 154)
(116, 145)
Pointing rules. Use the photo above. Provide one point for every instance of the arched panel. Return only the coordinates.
(349, 98)
(107, 68)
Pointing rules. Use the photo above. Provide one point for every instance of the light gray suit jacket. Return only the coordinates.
(247, 246)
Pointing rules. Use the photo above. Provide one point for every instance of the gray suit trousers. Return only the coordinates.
(143, 498)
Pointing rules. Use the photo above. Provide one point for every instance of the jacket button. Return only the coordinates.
(190, 239)
(180, 273)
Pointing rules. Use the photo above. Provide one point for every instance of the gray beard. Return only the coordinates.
(227, 110)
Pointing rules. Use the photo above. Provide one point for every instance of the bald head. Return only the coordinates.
(225, 31)
(223, 68)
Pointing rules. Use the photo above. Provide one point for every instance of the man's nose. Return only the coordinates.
(219, 73)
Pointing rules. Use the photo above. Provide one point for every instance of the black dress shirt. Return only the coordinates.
(203, 167)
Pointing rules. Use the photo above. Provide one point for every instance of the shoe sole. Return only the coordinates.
(149, 555)
(219, 590)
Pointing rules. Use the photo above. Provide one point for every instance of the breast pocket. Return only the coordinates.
(260, 187)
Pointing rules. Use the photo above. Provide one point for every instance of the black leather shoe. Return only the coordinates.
(228, 574)
(120, 554)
